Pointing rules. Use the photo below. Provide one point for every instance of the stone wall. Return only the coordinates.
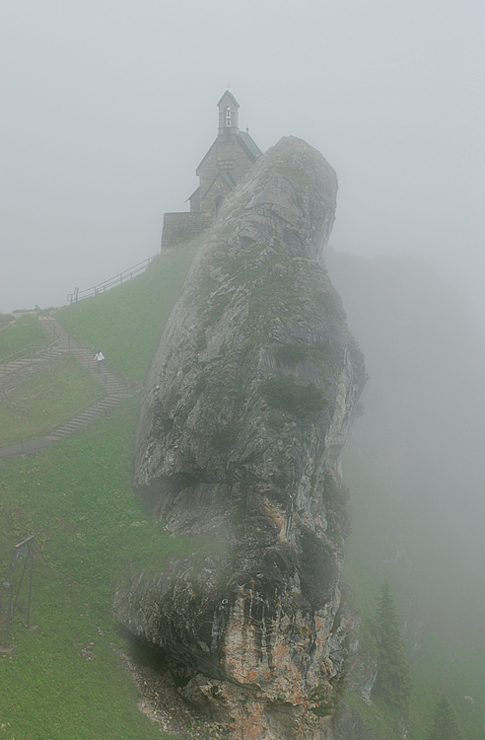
(228, 156)
(218, 193)
(178, 227)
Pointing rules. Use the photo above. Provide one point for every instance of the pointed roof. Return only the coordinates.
(251, 147)
(194, 193)
(226, 178)
(244, 140)
(231, 98)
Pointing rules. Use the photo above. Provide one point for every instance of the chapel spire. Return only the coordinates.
(228, 114)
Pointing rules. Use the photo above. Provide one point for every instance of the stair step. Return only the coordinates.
(115, 391)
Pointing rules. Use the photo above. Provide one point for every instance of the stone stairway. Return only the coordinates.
(85, 417)
(85, 357)
(41, 358)
(112, 391)
(47, 356)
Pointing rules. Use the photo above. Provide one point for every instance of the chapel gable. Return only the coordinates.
(226, 163)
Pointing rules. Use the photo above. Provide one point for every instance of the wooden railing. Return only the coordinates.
(122, 277)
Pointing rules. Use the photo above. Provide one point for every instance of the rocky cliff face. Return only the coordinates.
(242, 427)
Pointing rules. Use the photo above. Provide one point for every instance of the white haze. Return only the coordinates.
(109, 105)
(414, 461)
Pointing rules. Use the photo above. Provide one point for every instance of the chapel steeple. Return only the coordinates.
(228, 114)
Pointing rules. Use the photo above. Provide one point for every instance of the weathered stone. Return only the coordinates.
(242, 427)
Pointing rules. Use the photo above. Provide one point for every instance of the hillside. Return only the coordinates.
(76, 498)
(127, 322)
(71, 680)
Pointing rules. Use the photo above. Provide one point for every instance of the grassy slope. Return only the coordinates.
(76, 498)
(26, 332)
(39, 403)
(126, 323)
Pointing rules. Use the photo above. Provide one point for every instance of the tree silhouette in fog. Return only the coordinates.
(445, 723)
(393, 682)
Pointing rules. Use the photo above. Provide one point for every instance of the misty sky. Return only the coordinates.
(107, 107)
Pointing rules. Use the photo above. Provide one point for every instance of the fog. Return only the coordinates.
(415, 458)
(108, 107)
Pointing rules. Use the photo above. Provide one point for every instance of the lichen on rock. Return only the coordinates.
(243, 423)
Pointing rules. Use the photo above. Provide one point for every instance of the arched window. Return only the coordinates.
(228, 116)
(218, 203)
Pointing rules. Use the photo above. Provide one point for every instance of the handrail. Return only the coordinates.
(33, 349)
(27, 352)
(78, 411)
(128, 274)
(129, 386)
(50, 429)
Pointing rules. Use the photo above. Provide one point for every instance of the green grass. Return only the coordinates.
(6, 318)
(76, 499)
(126, 322)
(61, 686)
(39, 403)
(26, 332)
(285, 393)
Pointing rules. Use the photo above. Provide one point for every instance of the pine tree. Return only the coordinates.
(445, 724)
(393, 682)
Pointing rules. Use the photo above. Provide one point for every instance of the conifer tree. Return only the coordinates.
(445, 724)
(393, 682)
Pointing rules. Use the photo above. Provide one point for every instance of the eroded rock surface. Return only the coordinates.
(242, 427)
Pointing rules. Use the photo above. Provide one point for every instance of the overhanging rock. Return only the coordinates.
(242, 427)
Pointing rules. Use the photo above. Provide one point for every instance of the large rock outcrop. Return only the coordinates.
(242, 427)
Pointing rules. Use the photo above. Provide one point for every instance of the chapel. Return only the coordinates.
(230, 157)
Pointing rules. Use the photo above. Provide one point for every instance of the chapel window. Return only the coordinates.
(218, 203)
(228, 116)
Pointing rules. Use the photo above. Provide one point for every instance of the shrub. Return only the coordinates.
(285, 393)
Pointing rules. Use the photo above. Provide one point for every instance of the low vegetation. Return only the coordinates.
(126, 322)
(32, 409)
(27, 331)
(6, 319)
(286, 394)
(75, 497)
